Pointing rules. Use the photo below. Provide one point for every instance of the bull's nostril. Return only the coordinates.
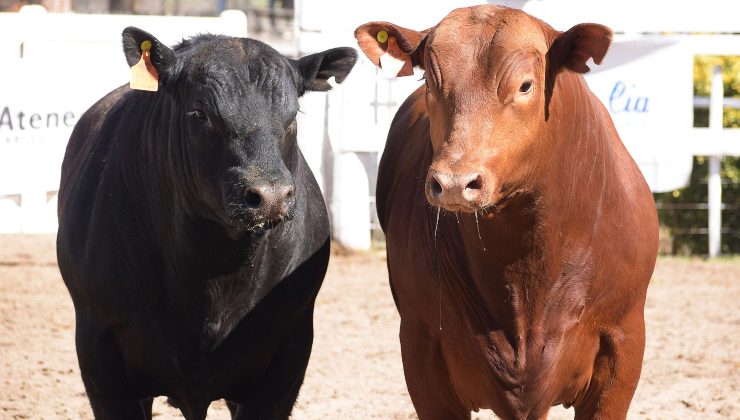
(435, 187)
(253, 198)
(475, 184)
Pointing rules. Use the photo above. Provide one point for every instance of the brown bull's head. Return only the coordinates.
(489, 74)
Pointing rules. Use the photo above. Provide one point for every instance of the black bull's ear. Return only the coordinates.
(316, 69)
(163, 58)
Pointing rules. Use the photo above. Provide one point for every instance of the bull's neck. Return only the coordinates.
(576, 170)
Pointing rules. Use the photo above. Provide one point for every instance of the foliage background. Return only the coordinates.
(684, 227)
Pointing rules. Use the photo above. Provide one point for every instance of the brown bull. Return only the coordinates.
(528, 290)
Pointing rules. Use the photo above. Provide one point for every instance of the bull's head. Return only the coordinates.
(227, 110)
(489, 74)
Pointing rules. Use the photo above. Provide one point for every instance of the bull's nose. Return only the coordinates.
(271, 202)
(455, 190)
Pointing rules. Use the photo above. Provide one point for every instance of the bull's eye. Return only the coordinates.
(198, 114)
(525, 87)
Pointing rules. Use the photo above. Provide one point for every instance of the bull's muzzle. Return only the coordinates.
(269, 202)
(259, 204)
(454, 192)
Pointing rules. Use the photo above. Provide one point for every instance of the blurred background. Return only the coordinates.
(671, 82)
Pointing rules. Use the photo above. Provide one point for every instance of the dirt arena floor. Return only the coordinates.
(691, 369)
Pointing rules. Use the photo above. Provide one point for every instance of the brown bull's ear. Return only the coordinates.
(386, 44)
(575, 46)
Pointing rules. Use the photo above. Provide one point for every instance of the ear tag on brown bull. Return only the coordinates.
(394, 62)
(143, 74)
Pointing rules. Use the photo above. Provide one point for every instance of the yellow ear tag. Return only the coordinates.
(143, 74)
(382, 36)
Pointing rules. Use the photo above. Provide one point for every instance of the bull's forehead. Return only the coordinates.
(237, 75)
(474, 41)
(238, 61)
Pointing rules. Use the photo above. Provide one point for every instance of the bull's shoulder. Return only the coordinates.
(94, 217)
(410, 125)
(87, 151)
(407, 150)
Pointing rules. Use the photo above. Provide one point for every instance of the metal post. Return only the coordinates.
(715, 181)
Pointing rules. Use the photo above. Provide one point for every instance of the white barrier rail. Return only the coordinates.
(57, 65)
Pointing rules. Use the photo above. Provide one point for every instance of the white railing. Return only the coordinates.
(57, 65)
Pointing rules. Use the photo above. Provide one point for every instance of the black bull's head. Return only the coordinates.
(226, 108)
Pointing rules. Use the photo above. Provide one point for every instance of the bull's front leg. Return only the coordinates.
(104, 375)
(283, 379)
(616, 371)
(427, 378)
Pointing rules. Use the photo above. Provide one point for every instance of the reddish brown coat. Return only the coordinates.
(521, 235)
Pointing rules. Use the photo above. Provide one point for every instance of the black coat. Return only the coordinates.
(193, 237)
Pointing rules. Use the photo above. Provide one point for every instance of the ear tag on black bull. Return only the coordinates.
(394, 62)
(143, 74)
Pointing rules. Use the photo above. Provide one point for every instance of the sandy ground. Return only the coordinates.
(691, 369)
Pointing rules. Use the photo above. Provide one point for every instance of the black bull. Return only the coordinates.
(193, 237)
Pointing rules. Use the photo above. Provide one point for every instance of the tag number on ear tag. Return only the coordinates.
(143, 74)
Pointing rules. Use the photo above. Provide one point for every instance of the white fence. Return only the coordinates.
(56, 65)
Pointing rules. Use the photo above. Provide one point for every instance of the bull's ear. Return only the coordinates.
(317, 69)
(378, 39)
(574, 47)
(162, 57)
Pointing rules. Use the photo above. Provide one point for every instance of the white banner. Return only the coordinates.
(647, 86)
(39, 107)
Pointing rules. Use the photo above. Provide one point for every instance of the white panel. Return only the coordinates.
(55, 66)
(10, 214)
(647, 85)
